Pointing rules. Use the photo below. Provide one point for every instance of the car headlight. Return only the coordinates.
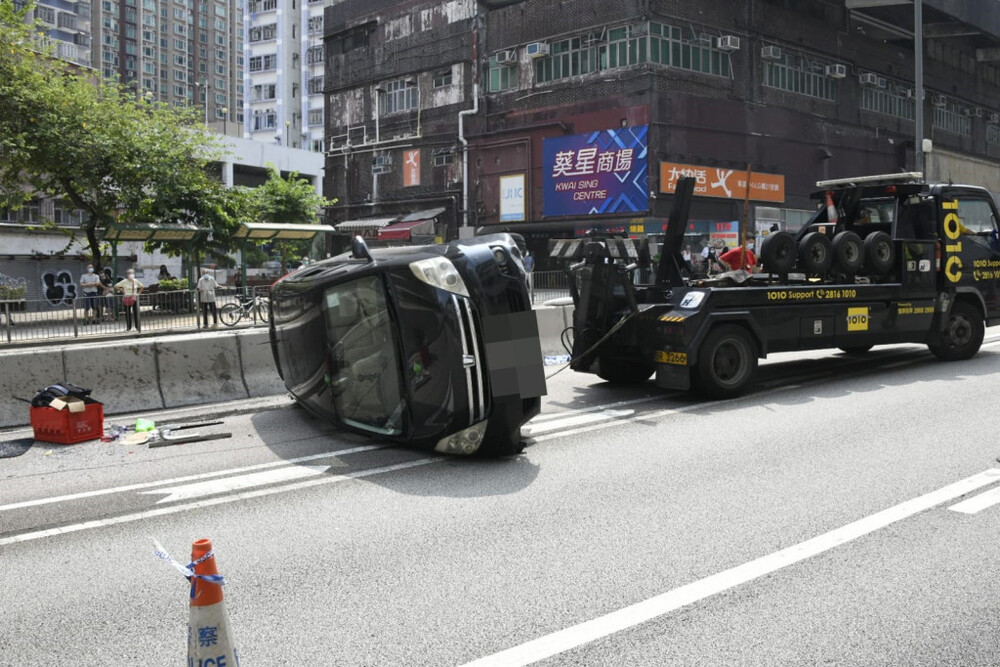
(466, 441)
(440, 272)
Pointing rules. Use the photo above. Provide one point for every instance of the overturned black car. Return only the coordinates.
(435, 346)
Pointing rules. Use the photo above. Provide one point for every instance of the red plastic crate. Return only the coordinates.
(67, 428)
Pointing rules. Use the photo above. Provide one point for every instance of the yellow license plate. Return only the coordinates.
(675, 358)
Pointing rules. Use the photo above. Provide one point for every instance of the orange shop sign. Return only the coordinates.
(724, 183)
(411, 168)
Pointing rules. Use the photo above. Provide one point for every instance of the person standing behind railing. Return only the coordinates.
(529, 267)
(107, 302)
(206, 297)
(131, 288)
(90, 283)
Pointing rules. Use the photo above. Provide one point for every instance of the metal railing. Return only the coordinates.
(163, 312)
(545, 285)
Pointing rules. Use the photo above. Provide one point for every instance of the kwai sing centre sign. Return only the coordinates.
(599, 172)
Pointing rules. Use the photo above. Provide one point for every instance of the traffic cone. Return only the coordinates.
(210, 641)
(831, 210)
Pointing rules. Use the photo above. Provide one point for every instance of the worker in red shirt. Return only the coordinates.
(731, 259)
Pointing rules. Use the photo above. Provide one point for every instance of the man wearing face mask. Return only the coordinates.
(131, 289)
(90, 283)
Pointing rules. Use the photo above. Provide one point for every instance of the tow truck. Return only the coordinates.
(885, 259)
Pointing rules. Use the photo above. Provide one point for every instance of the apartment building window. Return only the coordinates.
(220, 98)
(46, 14)
(180, 29)
(315, 116)
(796, 73)
(993, 134)
(64, 215)
(220, 40)
(315, 85)
(263, 63)
(502, 76)
(893, 100)
(220, 11)
(949, 119)
(180, 91)
(443, 157)
(315, 25)
(400, 95)
(263, 33)
(266, 120)
(220, 69)
(220, 24)
(180, 60)
(624, 48)
(180, 75)
(569, 57)
(180, 14)
(442, 78)
(314, 55)
(220, 84)
(263, 92)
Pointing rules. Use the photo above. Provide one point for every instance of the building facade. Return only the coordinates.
(175, 51)
(284, 58)
(588, 112)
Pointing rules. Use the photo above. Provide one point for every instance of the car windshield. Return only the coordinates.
(364, 365)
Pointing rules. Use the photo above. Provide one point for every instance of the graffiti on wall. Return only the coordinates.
(59, 287)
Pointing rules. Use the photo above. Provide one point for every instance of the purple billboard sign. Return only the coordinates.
(599, 172)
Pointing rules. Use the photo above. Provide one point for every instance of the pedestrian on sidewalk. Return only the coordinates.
(206, 297)
(90, 283)
(131, 288)
(107, 302)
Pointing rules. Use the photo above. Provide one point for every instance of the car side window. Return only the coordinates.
(976, 215)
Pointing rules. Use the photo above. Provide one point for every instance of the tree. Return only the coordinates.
(66, 133)
(291, 200)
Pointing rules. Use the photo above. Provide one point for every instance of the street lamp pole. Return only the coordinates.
(918, 76)
(204, 89)
(225, 117)
(288, 124)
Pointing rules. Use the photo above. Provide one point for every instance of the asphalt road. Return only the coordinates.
(814, 521)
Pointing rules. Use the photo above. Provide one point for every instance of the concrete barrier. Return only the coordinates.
(22, 374)
(170, 371)
(122, 375)
(259, 372)
(197, 368)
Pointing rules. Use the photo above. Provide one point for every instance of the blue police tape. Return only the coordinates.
(188, 570)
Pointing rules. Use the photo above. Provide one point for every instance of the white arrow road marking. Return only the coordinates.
(210, 502)
(531, 430)
(977, 503)
(214, 486)
(187, 478)
(641, 612)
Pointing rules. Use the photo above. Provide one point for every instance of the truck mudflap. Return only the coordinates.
(673, 376)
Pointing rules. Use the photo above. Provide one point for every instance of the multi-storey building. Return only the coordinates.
(284, 57)
(175, 51)
(583, 114)
(67, 24)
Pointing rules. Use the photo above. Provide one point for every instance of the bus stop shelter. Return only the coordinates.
(154, 231)
(274, 231)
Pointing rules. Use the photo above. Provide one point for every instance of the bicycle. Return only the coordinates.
(256, 308)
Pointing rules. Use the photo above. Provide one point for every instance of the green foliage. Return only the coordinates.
(170, 284)
(291, 200)
(67, 133)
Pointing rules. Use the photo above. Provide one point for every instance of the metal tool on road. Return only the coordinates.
(168, 435)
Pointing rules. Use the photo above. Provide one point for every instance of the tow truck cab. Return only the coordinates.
(435, 346)
(885, 259)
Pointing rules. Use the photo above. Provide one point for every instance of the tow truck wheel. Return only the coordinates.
(815, 253)
(879, 253)
(962, 335)
(777, 252)
(625, 372)
(848, 252)
(727, 361)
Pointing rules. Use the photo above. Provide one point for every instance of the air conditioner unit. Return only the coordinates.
(536, 49)
(505, 57)
(382, 160)
(728, 43)
(966, 111)
(836, 71)
(994, 118)
(907, 93)
(980, 112)
(882, 83)
(770, 52)
(868, 79)
(939, 101)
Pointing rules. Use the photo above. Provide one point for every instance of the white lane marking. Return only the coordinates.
(225, 484)
(188, 478)
(602, 626)
(209, 502)
(597, 408)
(978, 503)
(530, 430)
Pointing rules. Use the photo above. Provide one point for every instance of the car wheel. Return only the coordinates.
(777, 252)
(963, 333)
(848, 252)
(727, 361)
(815, 253)
(880, 254)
